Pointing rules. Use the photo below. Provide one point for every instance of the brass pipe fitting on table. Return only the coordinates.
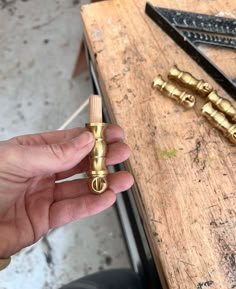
(185, 99)
(97, 172)
(219, 120)
(204, 89)
(188, 80)
(223, 105)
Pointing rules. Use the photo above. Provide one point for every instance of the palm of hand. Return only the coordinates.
(31, 199)
(26, 218)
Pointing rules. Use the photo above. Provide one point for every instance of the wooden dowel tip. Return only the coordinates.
(95, 108)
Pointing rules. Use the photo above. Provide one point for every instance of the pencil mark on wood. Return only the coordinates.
(195, 155)
(96, 53)
(132, 55)
(189, 135)
(115, 77)
(99, 51)
(125, 98)
(115, 80)
(201, 285)
(149, 99)
(187, 263)
(136, 147)
(189, 276)
(212, 206)
(228, 259)
(218, 223)
(156, 221)
(131, 92)
(196, 151)
(149, 180)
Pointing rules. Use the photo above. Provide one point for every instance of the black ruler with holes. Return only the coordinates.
(209, 39)
(202, 28)
(187, 29)
(202, 22)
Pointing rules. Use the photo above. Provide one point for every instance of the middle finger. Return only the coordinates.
(116, 153)
(117, 182)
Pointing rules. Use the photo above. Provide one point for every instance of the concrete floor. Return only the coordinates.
(39, 41)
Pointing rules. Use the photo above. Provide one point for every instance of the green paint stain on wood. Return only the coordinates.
(168, 154)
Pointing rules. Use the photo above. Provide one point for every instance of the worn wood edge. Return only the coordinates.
(148, 230)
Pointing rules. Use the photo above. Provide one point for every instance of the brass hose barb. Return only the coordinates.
(188, 80)
(185, 99)
(97, 173)
(219, 120)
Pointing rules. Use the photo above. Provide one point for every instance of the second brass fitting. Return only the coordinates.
(218, 120)
(187, 100)
(223, 105)
(189, 81)
(97, 172)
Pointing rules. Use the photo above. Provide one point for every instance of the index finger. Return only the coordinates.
(113, 133)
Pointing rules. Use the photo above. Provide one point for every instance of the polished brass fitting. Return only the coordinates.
(223, 105)
(97, 172)
(188, 80)
(187, 100)
(219, 120)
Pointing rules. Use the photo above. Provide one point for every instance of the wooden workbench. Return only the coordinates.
(184, 169)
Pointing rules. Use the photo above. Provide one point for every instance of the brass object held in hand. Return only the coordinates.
(187, 100)
(223, 105)
(189, 81)
(97, 172)
(219, 120)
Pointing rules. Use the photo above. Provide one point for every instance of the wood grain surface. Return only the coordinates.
(184, 169)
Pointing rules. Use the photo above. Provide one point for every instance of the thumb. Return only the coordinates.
(56, 158)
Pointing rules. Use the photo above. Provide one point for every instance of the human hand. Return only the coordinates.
(31, 199)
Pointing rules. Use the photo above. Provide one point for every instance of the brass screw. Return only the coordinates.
(98, 184)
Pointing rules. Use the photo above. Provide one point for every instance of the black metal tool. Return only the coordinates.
(215, 40)
(202, 28)
(172, 21)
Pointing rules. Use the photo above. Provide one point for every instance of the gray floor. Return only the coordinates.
(39, 41)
